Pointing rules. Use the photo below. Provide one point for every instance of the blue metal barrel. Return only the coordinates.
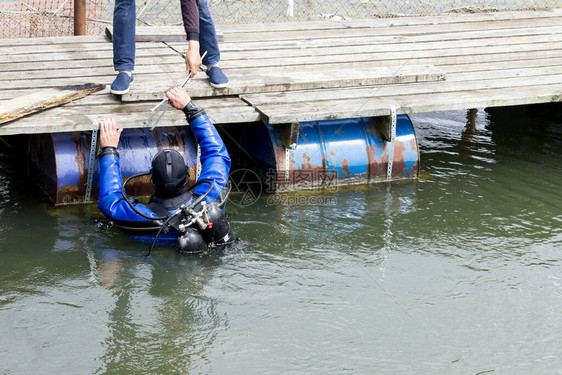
(61, 160)
(342, 152)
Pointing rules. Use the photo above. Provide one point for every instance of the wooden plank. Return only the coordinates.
(393, 31)
(551, 41)
(393, 40)
(308, 78)
(156, 50)
(60, 73)
(388, 22)
(66, 119)
(366, 93)
(74, 47)
(506, 52)
(92, 63)
(105, 98)
(51, 40)
(43, 99)
(298, 112)
(161, 34)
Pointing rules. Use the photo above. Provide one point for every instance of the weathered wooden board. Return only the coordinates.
(397, 46)
(388, 55)
(398, 30)
(160, 34)
(389, 22)
(154, 50)
(29, 66)
(81, 118)
(79, 47)
(425, 102)
(270, 100)
(10, 42)
(306, 79)
(304, 43)
(43, 99)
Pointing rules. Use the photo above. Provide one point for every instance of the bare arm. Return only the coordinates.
(190, 16)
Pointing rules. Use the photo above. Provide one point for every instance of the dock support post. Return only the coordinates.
(79, 17)
(388, 131)
(289, 135)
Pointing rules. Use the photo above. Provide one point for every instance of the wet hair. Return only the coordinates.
(169, 173)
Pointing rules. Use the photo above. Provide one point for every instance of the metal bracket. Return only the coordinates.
(91, 162)
(390, 129)
(287, 162)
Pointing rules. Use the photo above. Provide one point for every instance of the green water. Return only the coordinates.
(458, 273)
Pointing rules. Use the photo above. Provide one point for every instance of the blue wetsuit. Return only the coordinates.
(215, 166)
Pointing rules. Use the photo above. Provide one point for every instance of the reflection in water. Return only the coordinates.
(456, 273)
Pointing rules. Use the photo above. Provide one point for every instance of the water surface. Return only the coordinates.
(457, 273)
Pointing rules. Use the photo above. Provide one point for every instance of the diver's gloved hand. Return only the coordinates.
(180, 99)
(192, 111)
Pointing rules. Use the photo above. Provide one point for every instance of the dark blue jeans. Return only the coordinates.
(124, 20)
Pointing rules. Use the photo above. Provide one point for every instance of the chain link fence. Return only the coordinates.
(28, 18)
(167, 12)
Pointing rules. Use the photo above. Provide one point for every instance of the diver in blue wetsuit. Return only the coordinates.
(193, 221)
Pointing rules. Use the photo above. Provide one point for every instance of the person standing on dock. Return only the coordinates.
(201, 36)
(194, 221)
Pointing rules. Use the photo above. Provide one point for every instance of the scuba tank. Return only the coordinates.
(218, 228)
(191, 242)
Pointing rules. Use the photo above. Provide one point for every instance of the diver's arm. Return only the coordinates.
(111, 202)
(215, 161)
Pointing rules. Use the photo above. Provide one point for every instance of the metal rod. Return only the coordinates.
(167, 102)
(182, 85)
(79, 17)
(158, 120)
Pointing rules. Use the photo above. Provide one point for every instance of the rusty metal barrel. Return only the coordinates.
(333, 153)
(61, 160)
(326, 154)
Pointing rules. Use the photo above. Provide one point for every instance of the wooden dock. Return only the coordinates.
(292, 72)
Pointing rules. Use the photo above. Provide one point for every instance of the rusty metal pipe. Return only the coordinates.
(79, 17)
